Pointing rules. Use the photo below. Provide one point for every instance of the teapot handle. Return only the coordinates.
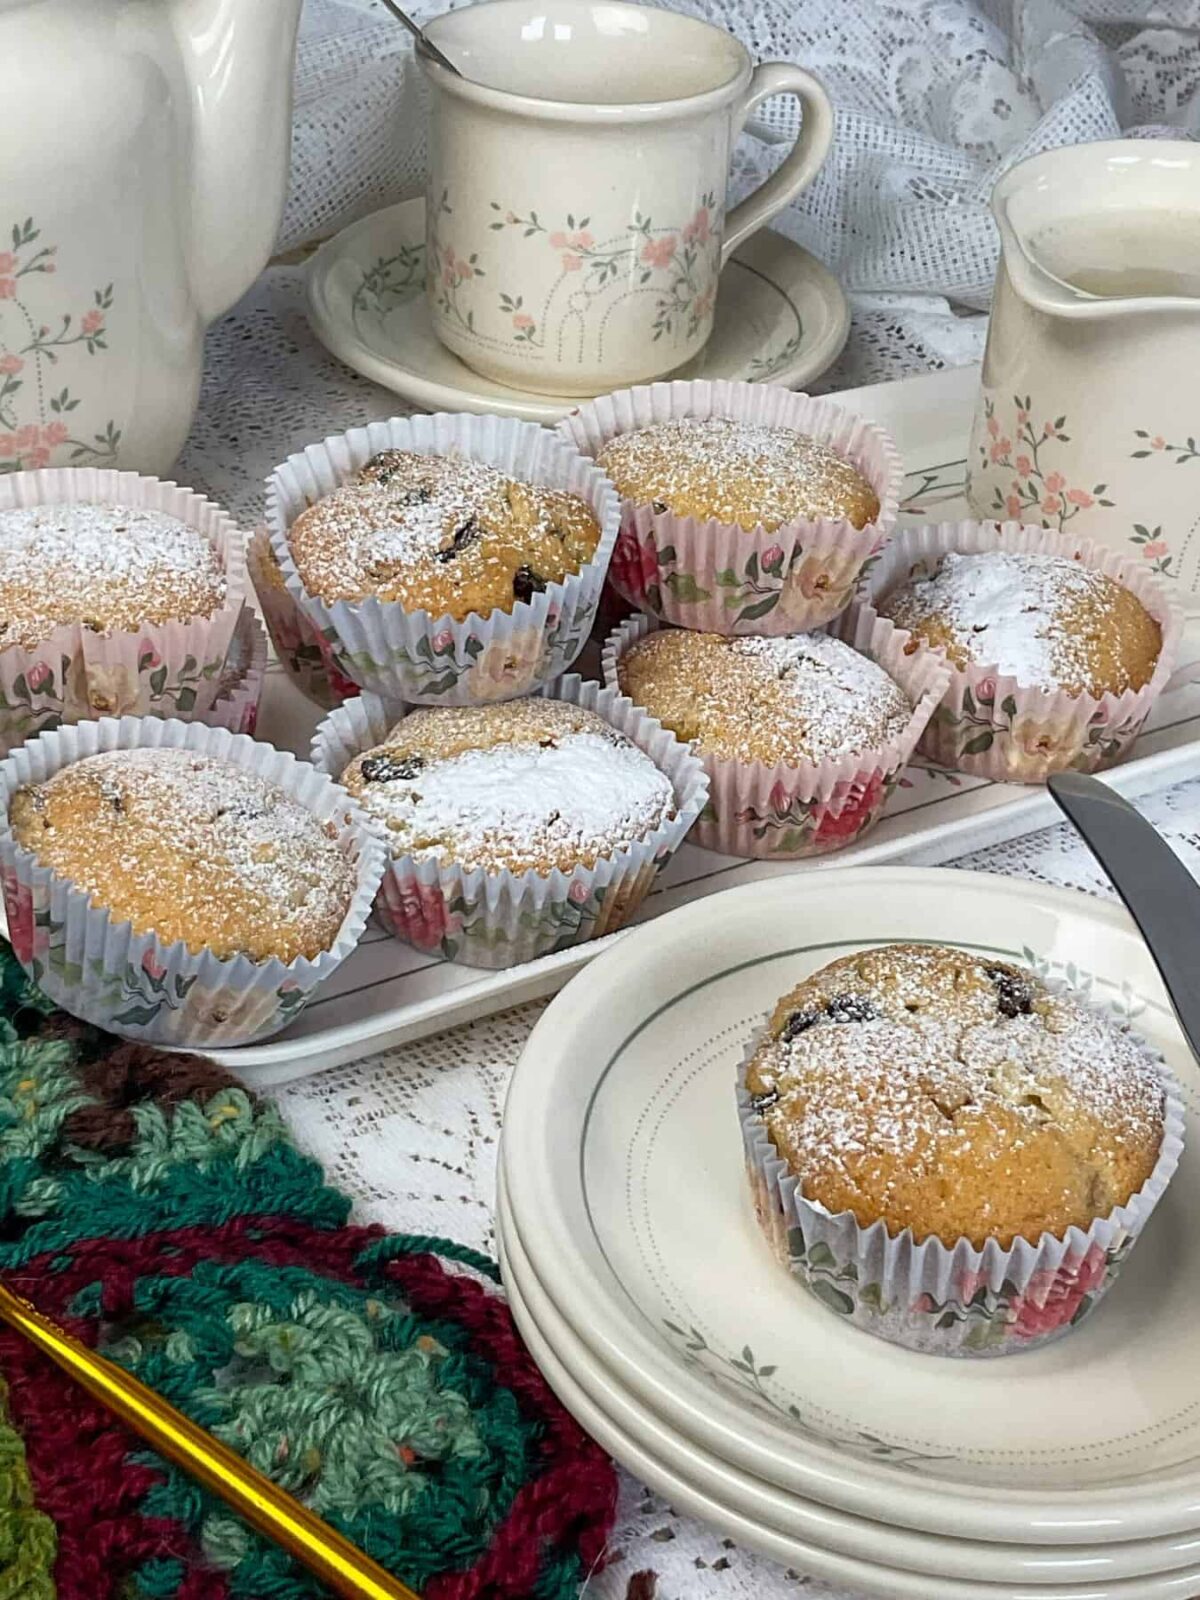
(800, 167)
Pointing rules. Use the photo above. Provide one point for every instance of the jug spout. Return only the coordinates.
(1105, 230)
(238, 60)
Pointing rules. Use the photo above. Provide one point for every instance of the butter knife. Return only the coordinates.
(1159, 892)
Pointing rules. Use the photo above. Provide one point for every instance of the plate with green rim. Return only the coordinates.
(781, 317)
(623, 1165)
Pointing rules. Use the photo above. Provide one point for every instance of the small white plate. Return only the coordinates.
(836, 1532)
(624, 1169)
(671, 1478)
(781, 317)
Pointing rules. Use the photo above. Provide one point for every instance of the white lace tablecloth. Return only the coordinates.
(932, 98)
(412, 1133)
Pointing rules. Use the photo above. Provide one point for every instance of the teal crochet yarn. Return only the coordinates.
(163, 1215)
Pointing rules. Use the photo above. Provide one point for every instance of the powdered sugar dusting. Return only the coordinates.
(740, 472)
(915, 1063)
(192, 847)
(848, 703)
(575, 798)
(1007, 608)
(106, 565)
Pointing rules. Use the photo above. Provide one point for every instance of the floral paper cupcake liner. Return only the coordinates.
(498, 919)
(942, 1300)
(716, 576)
(784, 812)
(306, 656)
(425, 660)
(236, 706)
(992, 726)
(134, 984)
(170, 669)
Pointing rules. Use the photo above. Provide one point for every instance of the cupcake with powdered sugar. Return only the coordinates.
(117, 594)
(803, 737)
(745, 509)
(1059, 647)
(950, 1152)
(519, 828)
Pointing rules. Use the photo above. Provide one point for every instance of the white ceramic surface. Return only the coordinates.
(835, 1532)
(144, 177)
(671, 1478)
(1124, 471)
(576, 223)
(780, 316)
(625, 1175)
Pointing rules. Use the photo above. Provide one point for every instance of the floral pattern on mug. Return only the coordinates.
(35, 427)
(1149, 542)
(1037, 492)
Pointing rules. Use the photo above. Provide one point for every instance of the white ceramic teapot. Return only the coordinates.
(142, 175)
(1089, 419)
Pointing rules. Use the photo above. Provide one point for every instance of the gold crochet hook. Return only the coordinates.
(272, 1511)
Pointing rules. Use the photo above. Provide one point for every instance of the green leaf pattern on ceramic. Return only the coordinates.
(35, 406)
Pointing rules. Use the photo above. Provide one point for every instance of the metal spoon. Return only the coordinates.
(424, 43)
(1159, 892)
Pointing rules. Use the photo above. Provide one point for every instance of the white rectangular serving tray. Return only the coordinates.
(387, 993)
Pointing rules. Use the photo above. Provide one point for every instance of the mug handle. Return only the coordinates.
(800, 168)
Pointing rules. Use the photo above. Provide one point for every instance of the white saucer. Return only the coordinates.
(781, 317)
(893, 1562)
(624, 1170)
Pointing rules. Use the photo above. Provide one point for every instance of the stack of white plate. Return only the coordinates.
(638, 1276)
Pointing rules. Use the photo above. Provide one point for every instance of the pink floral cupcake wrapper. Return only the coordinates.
(783, 813)
(716, 576)
(958, 1301)
(305, 655)
(991, 725)
(171, 669)
(134, 984)
(409, 655)
(498, 919)
(236, 707)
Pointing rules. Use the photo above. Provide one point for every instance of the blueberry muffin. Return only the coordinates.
(750, 474)
(1049, 622)
(955, 1095)
(527, 785)
(111, 568)
(441, 534)
(191, 847)
(801, 698)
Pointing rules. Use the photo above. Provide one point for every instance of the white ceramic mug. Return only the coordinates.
(576, 218)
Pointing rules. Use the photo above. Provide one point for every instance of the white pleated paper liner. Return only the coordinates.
(305, 655)
(134, 984)
(716, 576)
(236, 706)
(990, 724)
(425, 660)
(169, 669)
(943, 1300)
(785, 812)
(498, 919)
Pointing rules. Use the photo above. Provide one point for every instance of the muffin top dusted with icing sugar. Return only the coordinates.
(805, 697)
(1049, 622)
(191, 847)
(111, 568)
(442, 534)
(746, 473)
(525, 785)
(953, 1094)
